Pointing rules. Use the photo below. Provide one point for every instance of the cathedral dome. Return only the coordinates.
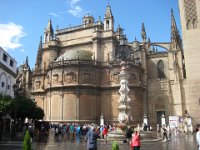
(75, 54)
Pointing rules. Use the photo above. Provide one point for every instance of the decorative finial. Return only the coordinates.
(99, 18)
(135, 38)
(143, 33)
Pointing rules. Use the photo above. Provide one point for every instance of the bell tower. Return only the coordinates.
(190, 23)
(108, 19)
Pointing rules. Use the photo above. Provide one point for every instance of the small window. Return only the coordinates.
(189, 25)
(11, 63)
(8, 87)
(2, 84)
(161, 69)
(194, 24)
(107, 24)
(5, 57)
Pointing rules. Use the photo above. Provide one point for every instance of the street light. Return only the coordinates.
(15, 88)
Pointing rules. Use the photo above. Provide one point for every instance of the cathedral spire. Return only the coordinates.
(143, 33)
(40, 44)
(39, 57)
(108, 13)
(108, 19)
(48, 33)
(49, 26)
(176, 41)
(26, 60)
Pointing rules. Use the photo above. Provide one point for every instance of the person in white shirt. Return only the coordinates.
(198, 137)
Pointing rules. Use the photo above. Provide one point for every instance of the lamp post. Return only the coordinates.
(15, 88)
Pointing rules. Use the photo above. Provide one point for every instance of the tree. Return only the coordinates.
(115, 146)
(27, 141)
(5, 104)
(27, 108)
(39, 113)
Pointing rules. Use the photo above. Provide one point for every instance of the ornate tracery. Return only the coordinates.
(191, 14)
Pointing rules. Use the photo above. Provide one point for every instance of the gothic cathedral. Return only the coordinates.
(76, 71)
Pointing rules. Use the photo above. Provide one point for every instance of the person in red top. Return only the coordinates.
(105, 133)
(135, 142)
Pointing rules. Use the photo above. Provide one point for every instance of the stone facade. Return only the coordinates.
(190, 22)
(76, 72)
(8, 67)
(24, 79)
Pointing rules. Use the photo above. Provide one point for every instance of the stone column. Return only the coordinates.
(124, 100)
(77, 105)
(61, 106)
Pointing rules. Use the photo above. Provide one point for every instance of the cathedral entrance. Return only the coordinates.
(159, 116)
(160, 110)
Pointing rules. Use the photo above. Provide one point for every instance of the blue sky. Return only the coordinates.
(22, 22)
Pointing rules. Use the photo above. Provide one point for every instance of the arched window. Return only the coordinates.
(107, 24)
(194, 24)
(161, 69)
(189, 25)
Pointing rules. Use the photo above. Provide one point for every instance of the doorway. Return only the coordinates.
(159, 116)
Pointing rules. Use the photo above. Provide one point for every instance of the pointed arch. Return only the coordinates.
(189, 25)
(161, 69)
(195, 24)
(107, 24)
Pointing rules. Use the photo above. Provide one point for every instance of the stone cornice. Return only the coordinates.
(6, 69)
(83, 88)
(78, 44)
(157, 55)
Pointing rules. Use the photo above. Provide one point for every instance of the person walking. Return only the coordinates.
(91, 138)
(105, 133)
(165, 138)
(129, 133)
(198, 137)
(135, 142)
(71, 132)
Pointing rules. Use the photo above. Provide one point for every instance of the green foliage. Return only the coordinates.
(5, 103)
(25, 107)
(28, 108)
(115, 146)
(27, 141)
(22, 107)
(39, 113)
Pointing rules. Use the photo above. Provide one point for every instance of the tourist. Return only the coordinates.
(105, 134)
(129, 133)
(91, 138)
(198, 137)
(30, 129)
(71, 132)
(169, 132)
(135, 142)
(164, 133)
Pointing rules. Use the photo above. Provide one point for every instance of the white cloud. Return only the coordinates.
(75, 9)
(73, 2)
(10, 35)
(54, 14)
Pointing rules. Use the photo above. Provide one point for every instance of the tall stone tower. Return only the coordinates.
(190, 22)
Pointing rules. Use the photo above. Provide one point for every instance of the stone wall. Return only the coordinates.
(191, 50)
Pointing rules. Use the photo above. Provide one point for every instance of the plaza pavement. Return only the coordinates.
(179, 142)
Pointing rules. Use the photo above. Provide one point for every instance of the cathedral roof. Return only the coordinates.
(75, 54)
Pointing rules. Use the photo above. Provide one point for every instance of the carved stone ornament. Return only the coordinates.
(87, 77)
(114, 77)
(70, 76)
